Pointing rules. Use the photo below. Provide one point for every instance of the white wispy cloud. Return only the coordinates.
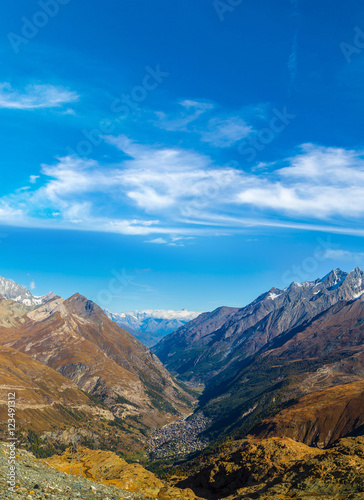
(172, 241)
(190, 111)
(220, 130)
(174, 193)
(318, 183)
(158, 241)
(78, 190)
(160, 179)
(10, 214)
(35, 96)
(348, 255)
(226, 132)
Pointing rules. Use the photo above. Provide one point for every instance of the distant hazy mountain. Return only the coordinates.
(151, 326)
(12, 291)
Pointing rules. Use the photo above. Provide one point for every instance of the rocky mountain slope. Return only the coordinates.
(320, 418)
(326, 352)
(12, 291)
(151, 326)
(11, 313)
(214, 343)
(76, 340)
(50, 410)
(272, 469)
(44, 397)
(104, 477)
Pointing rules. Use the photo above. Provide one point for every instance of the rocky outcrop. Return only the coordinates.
(109, 469)
(11, 313)
(104, 477)
(272, 469)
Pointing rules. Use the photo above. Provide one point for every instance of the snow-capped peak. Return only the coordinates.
(12, 291)
(183, 314)
(155, 323)
(349, 285)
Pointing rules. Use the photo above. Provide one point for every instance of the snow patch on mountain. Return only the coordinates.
(183, 315)
(12, 291)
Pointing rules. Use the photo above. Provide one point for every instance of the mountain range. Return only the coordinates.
(151, 326)
(216, 342)
(281, 385)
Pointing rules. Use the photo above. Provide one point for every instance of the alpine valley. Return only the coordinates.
(259, 402)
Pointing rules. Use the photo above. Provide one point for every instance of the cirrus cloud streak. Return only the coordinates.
(172, 192)
(35, 96)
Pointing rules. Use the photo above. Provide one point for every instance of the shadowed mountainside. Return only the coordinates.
(325, 353)
(215, 343)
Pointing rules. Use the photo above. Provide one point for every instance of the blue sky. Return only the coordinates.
(180, 154)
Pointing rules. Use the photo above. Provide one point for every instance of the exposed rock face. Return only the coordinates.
(11, 312)
(180, 351)
(12, 291)
(278, 468)
(218, 342)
